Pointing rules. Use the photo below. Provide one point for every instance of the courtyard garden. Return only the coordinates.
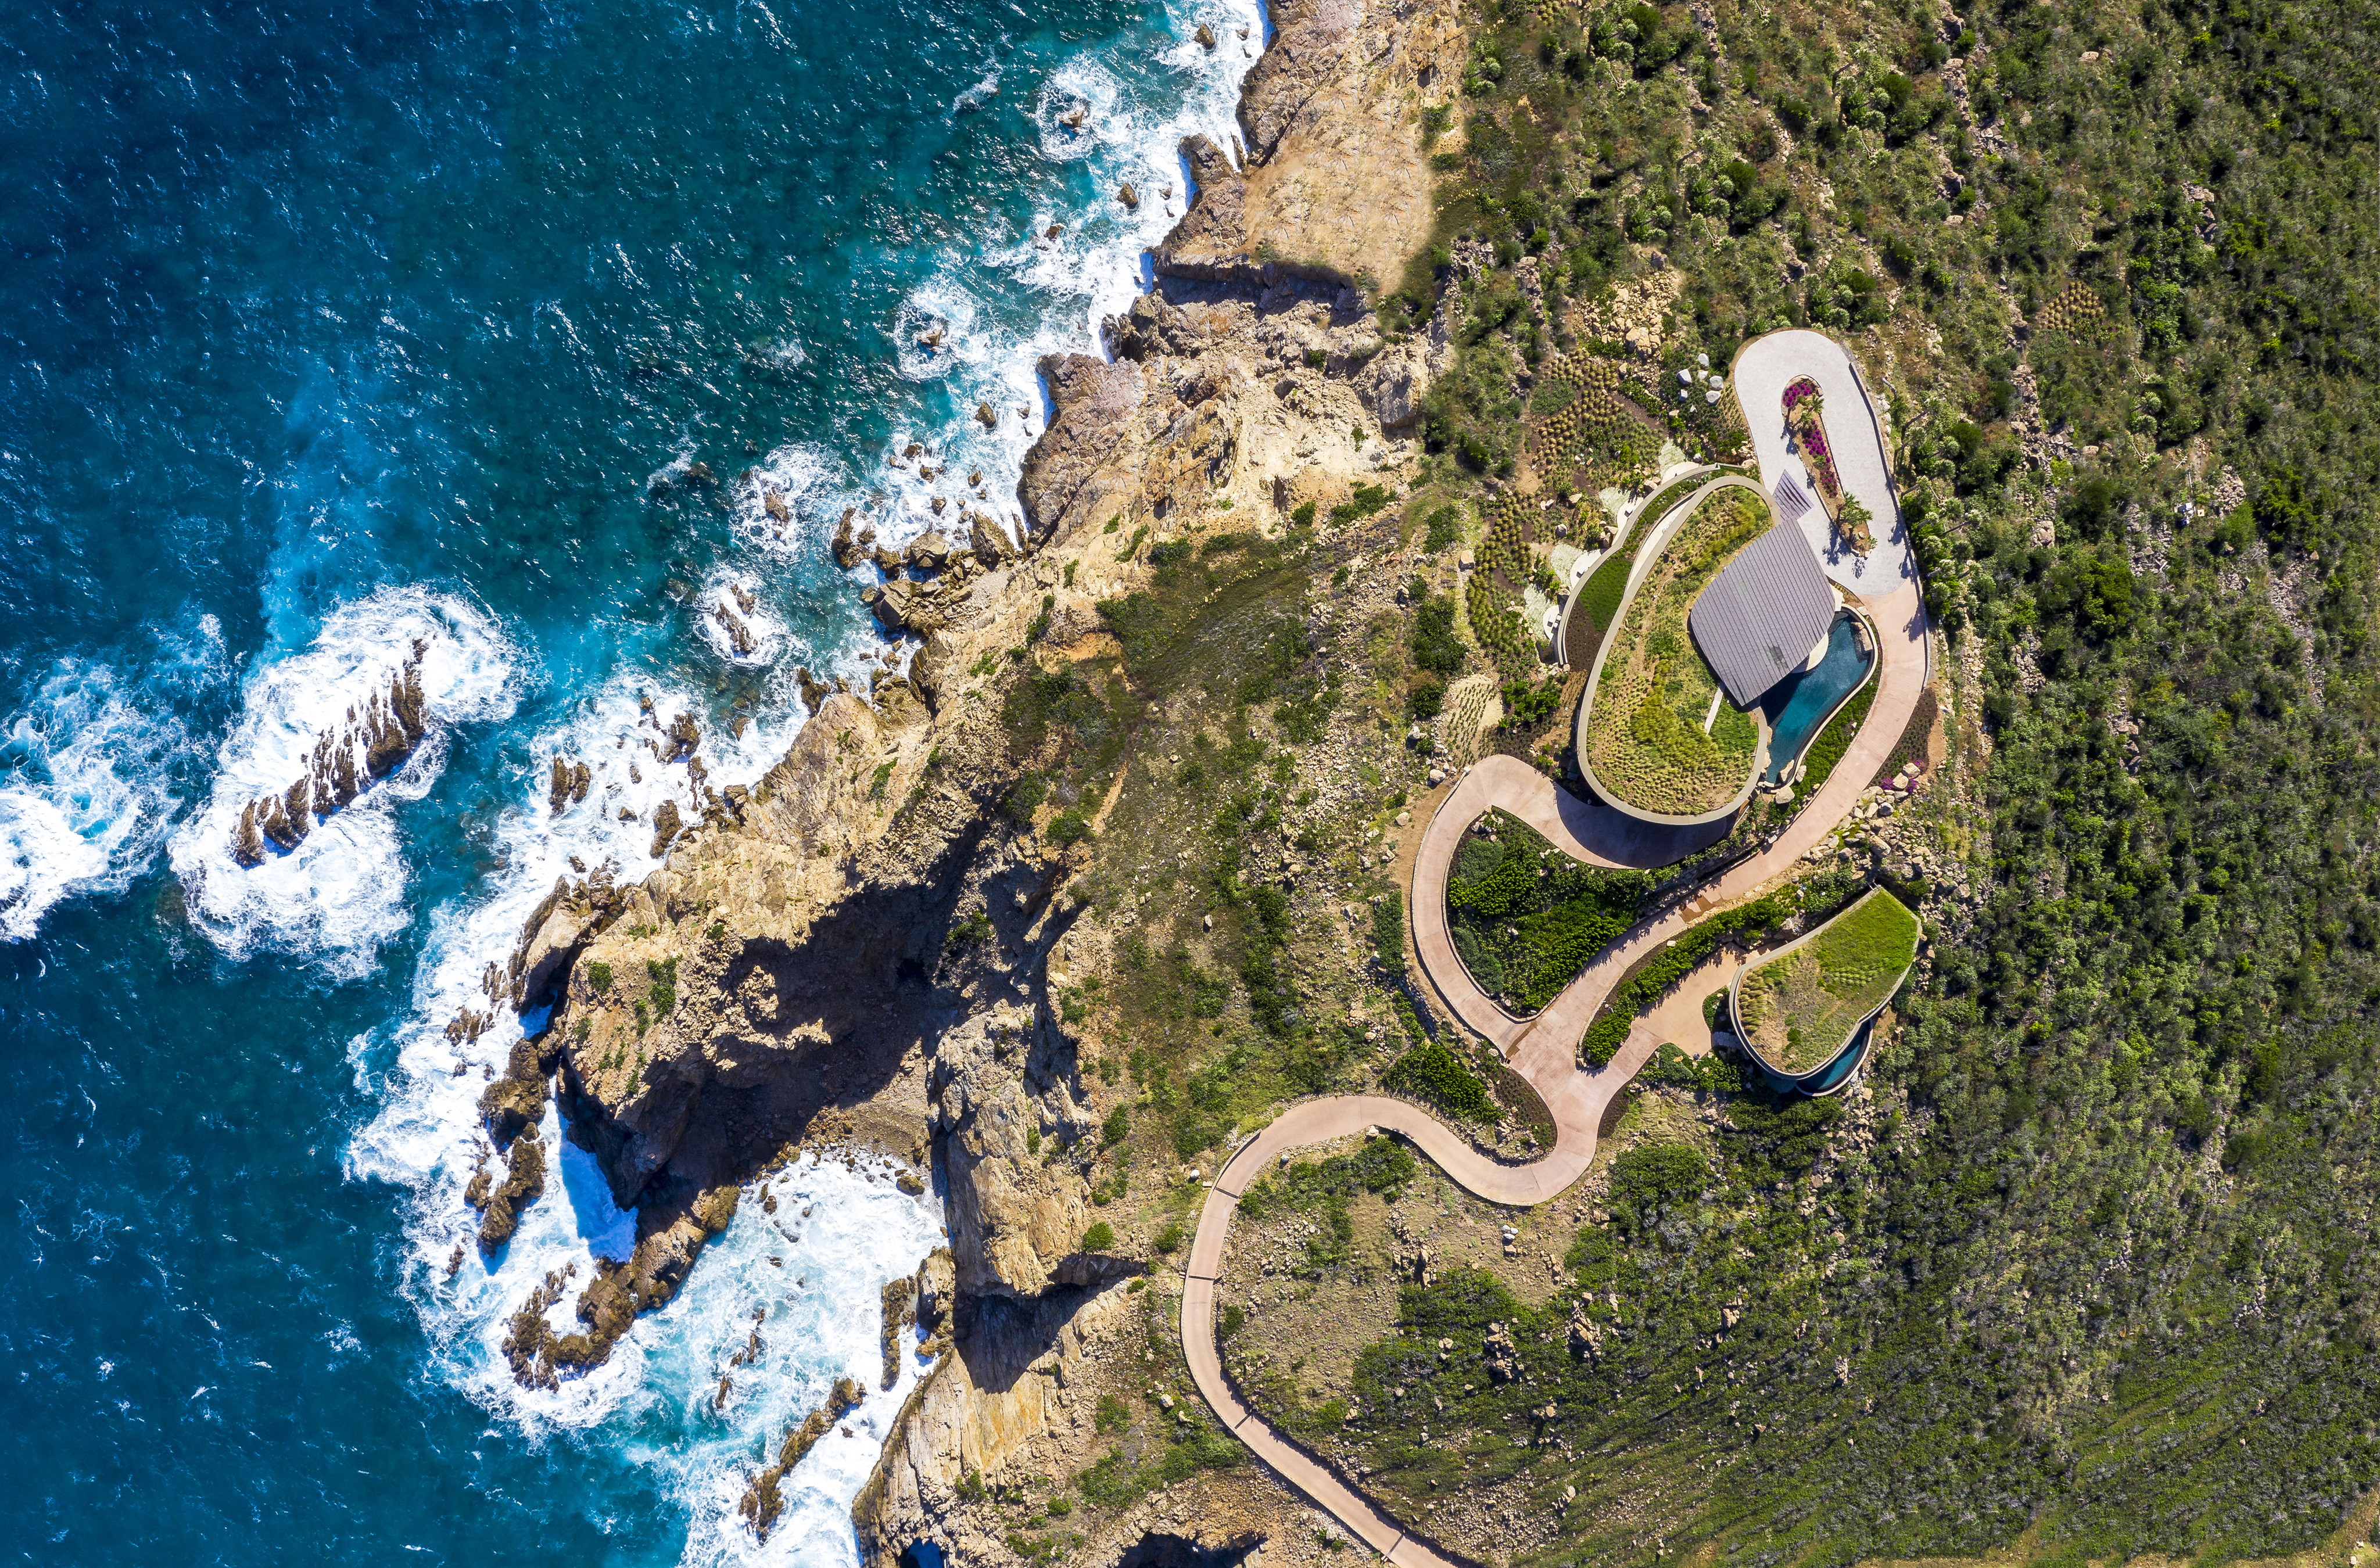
(1798, 1008)
(1525, 918)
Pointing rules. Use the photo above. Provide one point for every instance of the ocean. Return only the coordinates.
(519, 340)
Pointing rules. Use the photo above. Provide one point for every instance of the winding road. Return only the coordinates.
(1544, 1049)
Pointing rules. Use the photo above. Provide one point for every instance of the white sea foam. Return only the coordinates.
(820, 1297)
(1089, 271)
(342, 891)
(663, 1376)
(809, 488)
(84, 794)
(728, 598)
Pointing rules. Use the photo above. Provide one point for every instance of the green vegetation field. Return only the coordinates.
(2094, 1274)
(1644, 730)
(1799, 1009)
(1527, 917)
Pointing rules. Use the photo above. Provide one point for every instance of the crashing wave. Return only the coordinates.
(345, 763)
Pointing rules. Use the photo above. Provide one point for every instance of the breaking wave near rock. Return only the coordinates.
(296, 844)
(85, 793)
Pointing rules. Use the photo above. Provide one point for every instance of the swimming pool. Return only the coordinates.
(1798, 706)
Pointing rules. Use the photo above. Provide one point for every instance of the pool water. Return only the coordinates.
(1798, 706)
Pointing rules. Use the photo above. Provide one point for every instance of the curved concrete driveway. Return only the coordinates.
(1544, 1049)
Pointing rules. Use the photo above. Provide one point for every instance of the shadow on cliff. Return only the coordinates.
(862, 986)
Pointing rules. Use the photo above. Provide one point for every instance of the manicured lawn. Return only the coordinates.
(1644, 733)
(1799, 1009)
(1527, 917)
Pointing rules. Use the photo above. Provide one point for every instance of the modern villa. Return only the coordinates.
(1729, 651)
(1760, 617)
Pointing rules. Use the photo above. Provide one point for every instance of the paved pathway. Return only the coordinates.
(1545, 1049)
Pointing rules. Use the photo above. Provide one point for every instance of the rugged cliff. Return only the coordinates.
(800, 967)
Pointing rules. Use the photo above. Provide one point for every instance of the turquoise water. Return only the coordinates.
(333, 330)
(1797, 706)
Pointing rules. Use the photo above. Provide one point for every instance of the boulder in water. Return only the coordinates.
(247, 843)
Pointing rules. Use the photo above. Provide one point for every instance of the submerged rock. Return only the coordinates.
(764, 1498)
(739, 635)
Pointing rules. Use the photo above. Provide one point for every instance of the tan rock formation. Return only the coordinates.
(1336, 184)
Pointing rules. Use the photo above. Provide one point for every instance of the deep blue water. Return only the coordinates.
(1798, 706)
(326, 329)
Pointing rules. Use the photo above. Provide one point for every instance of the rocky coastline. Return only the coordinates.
(790, 977)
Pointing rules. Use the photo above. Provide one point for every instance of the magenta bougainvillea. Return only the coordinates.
(1802, 405)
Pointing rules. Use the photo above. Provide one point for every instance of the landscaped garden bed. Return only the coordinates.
(1804, 409)
(1525, 918)
(1798, 1008)
(1654, 739)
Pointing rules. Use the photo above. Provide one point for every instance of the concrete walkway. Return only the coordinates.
(1544, 1049)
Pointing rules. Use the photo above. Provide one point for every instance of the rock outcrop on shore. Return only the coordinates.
(1332, 182)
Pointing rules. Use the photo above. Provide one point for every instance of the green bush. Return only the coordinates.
(1526, 918)
(1382, 1165)
(1100, 1238)
(1431, 1073)
(1389, 933)
(1435, 647)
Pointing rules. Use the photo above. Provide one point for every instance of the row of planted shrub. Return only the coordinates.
(1644, 985)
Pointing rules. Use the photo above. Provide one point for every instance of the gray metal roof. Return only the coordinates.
(1763, 613)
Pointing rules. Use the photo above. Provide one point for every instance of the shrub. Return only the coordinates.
(1389, 933)
(1429, 1072)
(1100, 1238)
(1381, 1165)
(598, 976)
(1435, 646)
